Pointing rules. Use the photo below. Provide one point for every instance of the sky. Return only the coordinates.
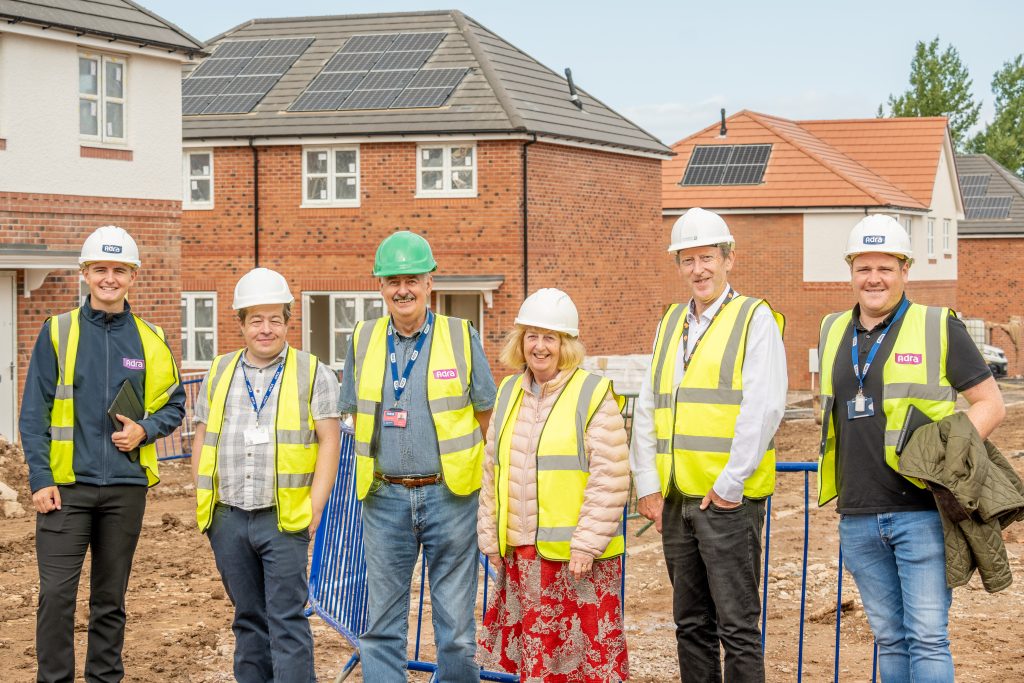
(671, 66)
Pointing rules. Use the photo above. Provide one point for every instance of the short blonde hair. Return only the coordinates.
(570, 350)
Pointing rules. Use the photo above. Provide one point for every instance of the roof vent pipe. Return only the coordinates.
(722, 131)
(573, 96)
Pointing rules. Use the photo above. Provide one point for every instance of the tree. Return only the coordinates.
(939, 86)
(1003, 139)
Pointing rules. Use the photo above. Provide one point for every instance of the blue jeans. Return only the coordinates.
(396, 522)
(898, 560)
(264, 572)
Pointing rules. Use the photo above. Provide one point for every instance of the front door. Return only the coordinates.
(8, 352)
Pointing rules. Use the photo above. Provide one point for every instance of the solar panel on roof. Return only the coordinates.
(421, 97)
(360, 62)
(727, 165)
(975, 184)
(412, 59)
(436, 78)
(385, 80)
(319, 101)
(372, 43)
(288, 46)
(239, 48)
(241, 73)
(370, 99)
(988, 208)
(195, 105)
(335, 81)
(418, 41)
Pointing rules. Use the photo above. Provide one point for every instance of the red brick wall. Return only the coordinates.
(595, 232)
(332, 249)
(773, 269)
(578, 197)
(62, 223)
(992, 271)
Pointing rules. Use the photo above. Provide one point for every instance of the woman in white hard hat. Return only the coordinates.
(556, 477)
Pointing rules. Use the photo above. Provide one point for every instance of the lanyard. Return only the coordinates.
(266, 395)
(400, 383)
(686, 328)
(874, 347)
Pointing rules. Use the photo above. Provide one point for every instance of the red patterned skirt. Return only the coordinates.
(546, 626)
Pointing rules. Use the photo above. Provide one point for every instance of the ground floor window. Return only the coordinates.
(330, 318)
(198, 329)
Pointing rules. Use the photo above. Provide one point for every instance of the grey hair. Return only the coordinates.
(724, 247)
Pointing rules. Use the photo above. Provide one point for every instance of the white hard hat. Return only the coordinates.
(110, 243)
(699, 228)
(879, 233)
(550, 309)
(261, 286)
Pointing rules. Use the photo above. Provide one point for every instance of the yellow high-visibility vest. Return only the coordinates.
(695, 422)
(913, 374)
(459, 441)
(161, 380)
(563, 467)
(296, 445)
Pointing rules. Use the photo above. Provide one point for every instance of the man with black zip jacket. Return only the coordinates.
(89, 478)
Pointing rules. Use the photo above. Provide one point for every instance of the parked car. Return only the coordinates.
(995, 358)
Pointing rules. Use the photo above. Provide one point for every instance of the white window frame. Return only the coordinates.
(187, 201)
(332, 175)
(189, 328)
(947, 236)
(446, 171)
(931, 238)
(332, 296)
(101, 98)
(908, 225)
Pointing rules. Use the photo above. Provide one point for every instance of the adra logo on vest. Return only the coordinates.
(111, 248)
(908, 358)
(874, 239)
(449, 373)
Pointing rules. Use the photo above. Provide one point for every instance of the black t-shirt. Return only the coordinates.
(866, 484)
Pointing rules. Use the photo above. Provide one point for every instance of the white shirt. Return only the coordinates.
(765, 382)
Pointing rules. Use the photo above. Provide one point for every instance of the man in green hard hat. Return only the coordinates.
(421, 391)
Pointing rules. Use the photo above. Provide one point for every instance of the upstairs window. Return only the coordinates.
(330, 176)
(446, 171)
(727, 165)
(199, 179)
(101, 97)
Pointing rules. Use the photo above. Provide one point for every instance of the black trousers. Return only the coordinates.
(108, 519)
(713, 558)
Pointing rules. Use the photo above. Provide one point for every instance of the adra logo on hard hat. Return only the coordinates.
(874, 239)
(111, 248)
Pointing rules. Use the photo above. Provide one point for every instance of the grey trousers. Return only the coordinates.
(108, 519)
(713, 558)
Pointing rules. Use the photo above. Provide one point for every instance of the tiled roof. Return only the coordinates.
(505, 90)
(1001, 182)
(843, 163)
(109, 18)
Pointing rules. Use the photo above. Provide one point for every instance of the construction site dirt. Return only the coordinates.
(179, 617)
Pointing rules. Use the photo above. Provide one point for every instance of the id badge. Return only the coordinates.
(861, 406)
(396, 418)
(256, 436)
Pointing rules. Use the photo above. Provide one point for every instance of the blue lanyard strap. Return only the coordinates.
(686, 328)
(400, 382)
(266, 396)
(874, 347)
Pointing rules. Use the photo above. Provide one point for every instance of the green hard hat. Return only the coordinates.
(403, 253)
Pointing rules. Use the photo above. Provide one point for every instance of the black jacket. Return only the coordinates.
(105, 341)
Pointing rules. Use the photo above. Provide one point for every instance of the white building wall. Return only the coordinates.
(39, 120)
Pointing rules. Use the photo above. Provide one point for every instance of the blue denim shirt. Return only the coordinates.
(413, 450)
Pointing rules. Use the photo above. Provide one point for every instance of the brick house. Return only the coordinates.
(308, 140)
(792, 190)
(991, 251)
(90, 126)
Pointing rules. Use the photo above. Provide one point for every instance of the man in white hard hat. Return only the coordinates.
(877, 360)
(269, 427)
(702, 452)
(89, 474)
(421, 391)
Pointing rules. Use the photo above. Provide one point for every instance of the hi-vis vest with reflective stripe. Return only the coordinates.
(295, 433)
(562, 464)
(922, 342)
(160, 382)
(459, 441)
(696, 421)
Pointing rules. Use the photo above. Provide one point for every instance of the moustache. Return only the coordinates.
(403, 299)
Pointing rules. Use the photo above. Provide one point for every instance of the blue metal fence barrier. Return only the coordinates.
(179, 444)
